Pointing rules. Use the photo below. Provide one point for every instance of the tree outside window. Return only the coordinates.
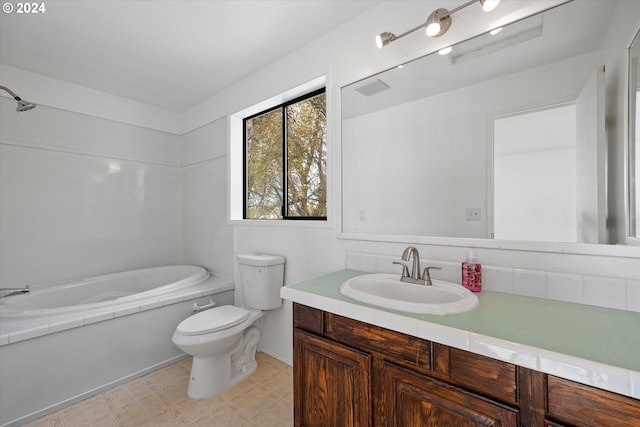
(286, 160)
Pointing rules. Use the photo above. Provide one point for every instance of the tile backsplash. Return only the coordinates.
(617, 293)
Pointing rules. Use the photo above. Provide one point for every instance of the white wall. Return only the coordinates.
(80, 195)
(207, 238)
(534, 176)
(412, 169)
(534, 202)
(70, 97)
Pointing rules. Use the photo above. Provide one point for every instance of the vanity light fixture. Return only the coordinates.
(437, 23)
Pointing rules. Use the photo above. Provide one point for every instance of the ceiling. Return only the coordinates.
(171, 54)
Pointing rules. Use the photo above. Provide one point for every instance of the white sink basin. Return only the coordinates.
(386, 290)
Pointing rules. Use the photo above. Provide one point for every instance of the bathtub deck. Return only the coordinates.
(264, 399)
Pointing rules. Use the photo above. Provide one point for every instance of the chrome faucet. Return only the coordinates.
(412, 253)
(7, 292)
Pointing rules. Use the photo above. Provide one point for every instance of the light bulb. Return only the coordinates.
(489, 5)
(384, 39)
(433, 29)
(379, 41)
(438, 23)
(445, 51)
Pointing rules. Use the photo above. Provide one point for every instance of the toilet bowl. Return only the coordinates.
(223, 340)
(214, 338)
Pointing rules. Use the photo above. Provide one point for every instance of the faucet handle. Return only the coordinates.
(427, 277)
(405, 269)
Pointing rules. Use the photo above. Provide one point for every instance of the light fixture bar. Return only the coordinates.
(406, 33)
(385, 38)
(439, 16)
(469, 3)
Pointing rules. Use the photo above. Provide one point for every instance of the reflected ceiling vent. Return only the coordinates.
(373, 88)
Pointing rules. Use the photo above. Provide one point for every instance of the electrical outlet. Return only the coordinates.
(473, 214)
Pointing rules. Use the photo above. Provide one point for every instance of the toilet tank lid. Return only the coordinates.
(262, 260)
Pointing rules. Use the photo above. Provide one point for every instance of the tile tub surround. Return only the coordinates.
(591, 345)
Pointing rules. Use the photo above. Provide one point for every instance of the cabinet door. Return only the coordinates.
(331, 384)
(412, 400)
(581, 405)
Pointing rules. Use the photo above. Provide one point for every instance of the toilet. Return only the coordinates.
(223, 340)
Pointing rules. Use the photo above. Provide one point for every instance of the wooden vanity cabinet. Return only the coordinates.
(350, 373)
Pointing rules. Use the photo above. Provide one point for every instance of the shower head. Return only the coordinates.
(25, 105)
(22, 104)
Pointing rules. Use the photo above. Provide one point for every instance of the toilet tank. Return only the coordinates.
(261, 277)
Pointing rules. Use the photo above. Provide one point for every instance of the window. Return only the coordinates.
(285, 160)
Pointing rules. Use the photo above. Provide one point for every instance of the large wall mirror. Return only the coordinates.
(502, 138)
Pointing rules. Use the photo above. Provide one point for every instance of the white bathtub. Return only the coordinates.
(65, 342)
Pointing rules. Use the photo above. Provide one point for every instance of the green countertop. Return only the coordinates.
(603, 335)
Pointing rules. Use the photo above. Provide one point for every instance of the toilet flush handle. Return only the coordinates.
(197, 307)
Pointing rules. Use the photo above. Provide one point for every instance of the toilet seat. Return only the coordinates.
(215, 319)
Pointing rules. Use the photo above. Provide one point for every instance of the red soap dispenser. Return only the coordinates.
(472, 273)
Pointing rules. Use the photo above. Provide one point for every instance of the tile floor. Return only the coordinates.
(264, 399)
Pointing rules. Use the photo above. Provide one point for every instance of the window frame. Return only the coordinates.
(285, 184)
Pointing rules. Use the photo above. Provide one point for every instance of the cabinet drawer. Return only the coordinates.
(587, 406)
(307, 318)
(483, 374)
(404, 350)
